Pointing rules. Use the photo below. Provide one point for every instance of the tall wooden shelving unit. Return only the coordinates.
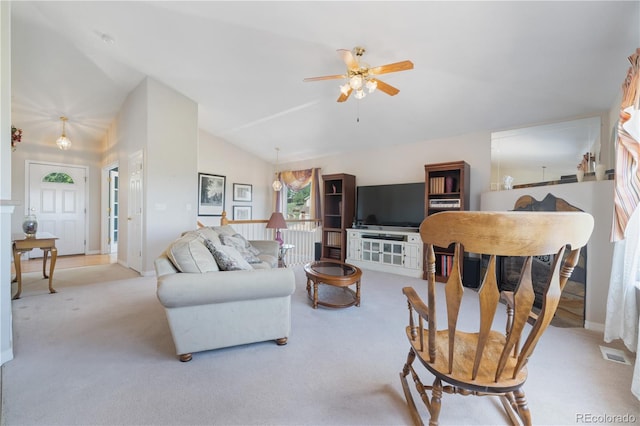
(339, 203)
(446, 188)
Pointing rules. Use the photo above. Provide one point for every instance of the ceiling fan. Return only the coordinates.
(360, 75)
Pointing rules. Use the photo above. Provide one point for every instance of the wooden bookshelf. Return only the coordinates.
(338, 212)
(446, 188)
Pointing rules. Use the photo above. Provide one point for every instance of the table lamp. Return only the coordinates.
(277, 222)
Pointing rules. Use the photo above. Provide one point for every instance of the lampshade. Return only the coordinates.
(63, 142)
(276, 221)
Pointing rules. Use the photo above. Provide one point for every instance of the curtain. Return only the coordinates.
(295, 180)
(627, 173)
(298, 179)
(622, 318)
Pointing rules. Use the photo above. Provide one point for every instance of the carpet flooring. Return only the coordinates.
(99, 352)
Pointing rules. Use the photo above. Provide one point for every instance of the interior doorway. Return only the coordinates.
(113, 211)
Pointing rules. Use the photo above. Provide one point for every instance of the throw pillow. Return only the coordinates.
(243, 246)
(247, 244)
(224, 230)
(208, 233)
(227, 258)
(189, 254)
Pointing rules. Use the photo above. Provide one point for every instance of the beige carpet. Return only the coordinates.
(99, 352)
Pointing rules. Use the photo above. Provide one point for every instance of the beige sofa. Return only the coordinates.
(208, 308)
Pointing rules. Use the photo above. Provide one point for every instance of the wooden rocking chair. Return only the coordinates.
(483, 361)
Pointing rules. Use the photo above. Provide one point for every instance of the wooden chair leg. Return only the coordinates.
(510, 406)
(523, 408)
(436, 402)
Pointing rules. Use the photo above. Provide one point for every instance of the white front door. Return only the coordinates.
(134, 219)
(57, 197)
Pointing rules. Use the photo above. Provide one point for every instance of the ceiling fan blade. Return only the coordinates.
(344, 97)
(396, 66)
(348, 59)
(386, 88)
(326, 77)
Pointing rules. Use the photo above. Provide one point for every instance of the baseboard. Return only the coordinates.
(594, 326)
(91, 252)
(6, 356)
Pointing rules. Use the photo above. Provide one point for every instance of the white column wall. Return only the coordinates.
(6, 206)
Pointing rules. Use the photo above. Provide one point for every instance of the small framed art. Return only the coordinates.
(241, 192)
(211, 194)
(241, 212)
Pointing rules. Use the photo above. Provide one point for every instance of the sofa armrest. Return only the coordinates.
(191, 289)
(267, 247)
(163, 265)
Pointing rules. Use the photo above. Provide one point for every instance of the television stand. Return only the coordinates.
(391, 237)
(393, 251)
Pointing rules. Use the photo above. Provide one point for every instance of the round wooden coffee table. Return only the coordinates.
(336, 274)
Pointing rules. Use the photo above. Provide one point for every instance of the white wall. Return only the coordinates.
(6, 205)
(171, 155)
(218, 157)
(405, 163)
(164, 125)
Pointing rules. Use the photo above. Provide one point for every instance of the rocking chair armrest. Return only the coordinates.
(416, 302)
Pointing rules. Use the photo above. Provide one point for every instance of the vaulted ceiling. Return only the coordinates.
(478, 66)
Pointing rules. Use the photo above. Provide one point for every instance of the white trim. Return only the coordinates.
(104, 201)
(6, 355)
(595, 326)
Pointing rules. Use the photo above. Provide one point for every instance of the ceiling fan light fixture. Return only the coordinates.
(359, 94)
(345, 88)
(63, 142)
(371, 85)
(356, 82)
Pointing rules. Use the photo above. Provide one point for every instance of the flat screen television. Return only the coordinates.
(399, 205)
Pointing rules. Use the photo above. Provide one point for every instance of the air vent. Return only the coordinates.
(614, 355)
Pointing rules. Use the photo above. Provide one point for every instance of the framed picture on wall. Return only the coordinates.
(241, 192)
(241, 212)
(211, 194)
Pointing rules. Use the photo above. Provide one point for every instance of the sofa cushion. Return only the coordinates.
(227, 257)
(224, 230)
(189, 254)
(272, 261)
(244, 247)
(208, 233)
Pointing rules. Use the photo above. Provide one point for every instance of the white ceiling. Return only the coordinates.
(478, 66)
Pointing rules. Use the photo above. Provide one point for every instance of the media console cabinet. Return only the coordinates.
(393, 251)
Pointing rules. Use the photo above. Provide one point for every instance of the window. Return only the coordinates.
(57, 177)
(298, 203)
